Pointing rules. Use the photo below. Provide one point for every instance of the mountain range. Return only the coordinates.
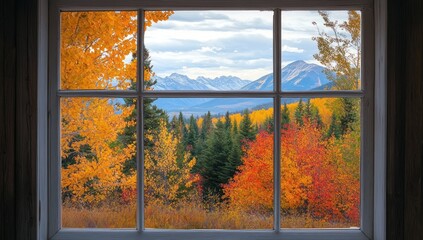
(296, 76)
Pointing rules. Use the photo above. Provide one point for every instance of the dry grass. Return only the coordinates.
(189, 216)
(103, 217)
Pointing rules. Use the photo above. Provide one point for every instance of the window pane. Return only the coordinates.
(98, 50)
(321, 50)
(211, 50)
(320, 186)
(98, 154)
(209, 165)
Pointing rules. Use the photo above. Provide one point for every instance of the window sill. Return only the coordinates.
(303, 234)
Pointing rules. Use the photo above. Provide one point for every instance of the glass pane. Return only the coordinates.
(320, 186)
(98, 50)
(209, 166)
(98, 154)
(321, 50)
(211, 50)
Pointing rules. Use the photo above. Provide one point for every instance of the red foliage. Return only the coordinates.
(315, 177)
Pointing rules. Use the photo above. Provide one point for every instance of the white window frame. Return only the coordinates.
(373, 104)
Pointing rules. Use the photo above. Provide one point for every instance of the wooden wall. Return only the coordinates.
(18, 113)
(405, 120)
(18, 71)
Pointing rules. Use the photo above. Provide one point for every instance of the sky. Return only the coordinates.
(230, 43)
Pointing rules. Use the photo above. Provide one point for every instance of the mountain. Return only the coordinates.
(181, 82)
(296, 76)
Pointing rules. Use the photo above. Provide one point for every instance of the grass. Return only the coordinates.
(184, 216)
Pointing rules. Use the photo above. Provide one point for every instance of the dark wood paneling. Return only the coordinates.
(26, 120)
(396, 118)
(405, 120)
(7, 119)
(413, 200)
(18, 108)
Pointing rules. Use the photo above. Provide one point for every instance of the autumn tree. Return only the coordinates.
(165, 178)
(339, 46)
(97, 134)
(251, 189)
(340, 50)
(317, 177)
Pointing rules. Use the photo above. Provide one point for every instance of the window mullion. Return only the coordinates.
(140, 120)
(277, 117)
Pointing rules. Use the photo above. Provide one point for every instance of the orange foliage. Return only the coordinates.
(97, 52)
(317, 176)
(252, 188)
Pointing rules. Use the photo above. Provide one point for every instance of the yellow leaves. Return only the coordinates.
(340, 50)
(90, 126)
(94, 47)
(98, 52)
(156, 16)
(164, 176)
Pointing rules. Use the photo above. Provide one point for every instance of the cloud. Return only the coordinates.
(286, 48)
(197, 16)
(215, 43)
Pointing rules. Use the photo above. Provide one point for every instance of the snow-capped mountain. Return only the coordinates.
(181, 82)
(296, 76)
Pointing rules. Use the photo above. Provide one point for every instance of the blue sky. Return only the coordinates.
(216, 43)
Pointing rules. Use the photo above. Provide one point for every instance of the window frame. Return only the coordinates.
(366, 94)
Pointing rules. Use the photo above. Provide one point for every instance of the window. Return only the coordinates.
(212, 111)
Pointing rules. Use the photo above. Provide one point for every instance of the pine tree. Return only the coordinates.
(207, 126)
(246, 128)
(234, 160)
(334, 128)
(308, 111)
(349, 118)
(192, 134)
(316, 118)
(299, 113)
(228, 124)
(205, 133)
(152, 116)
(311, 114)
(268, 124)
(213, 161)
(285, 117)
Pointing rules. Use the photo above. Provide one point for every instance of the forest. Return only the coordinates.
(208, 171)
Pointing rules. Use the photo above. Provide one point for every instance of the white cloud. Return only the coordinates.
(286, 48)
(215, 43)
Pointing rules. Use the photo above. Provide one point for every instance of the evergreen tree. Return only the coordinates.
(246, 128)
(316, 118)
(228, 124)
(299, 113)
(213, 161)
(152, 116)
(205, 133)
(334, 128)
(206, 126)
(268, 124)
(349, 118)
(192, 134)
(285, 116)
(311, 114)
(308, 111)
(234, 160)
